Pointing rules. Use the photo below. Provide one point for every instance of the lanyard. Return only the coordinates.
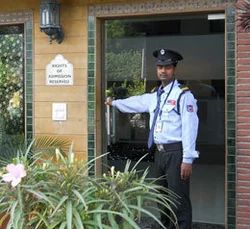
(160, 112)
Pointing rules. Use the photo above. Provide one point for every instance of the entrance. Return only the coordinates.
(129, 69)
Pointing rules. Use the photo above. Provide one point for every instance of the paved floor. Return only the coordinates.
(147, 223)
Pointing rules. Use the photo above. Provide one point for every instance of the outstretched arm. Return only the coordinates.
(134, 104)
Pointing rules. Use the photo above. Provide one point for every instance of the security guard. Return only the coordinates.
(173, 128)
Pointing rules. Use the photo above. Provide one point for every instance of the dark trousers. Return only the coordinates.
(168, 166)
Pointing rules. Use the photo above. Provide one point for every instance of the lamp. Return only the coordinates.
(50, 20)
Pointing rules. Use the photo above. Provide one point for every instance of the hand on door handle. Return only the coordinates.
(109, 101)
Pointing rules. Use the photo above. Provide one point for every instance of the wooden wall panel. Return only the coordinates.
(72, 45)
(60, 94)
(69, 127)
(74, 48)
(76, 110)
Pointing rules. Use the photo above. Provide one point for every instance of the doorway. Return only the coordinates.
(128, 69)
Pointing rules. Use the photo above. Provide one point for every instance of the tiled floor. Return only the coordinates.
(148, 224)
(207, 226)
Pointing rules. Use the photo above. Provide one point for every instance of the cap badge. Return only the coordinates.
(162, 51)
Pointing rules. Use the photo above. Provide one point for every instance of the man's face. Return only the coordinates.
(165, 73)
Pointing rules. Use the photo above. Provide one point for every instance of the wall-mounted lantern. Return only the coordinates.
(50, 20)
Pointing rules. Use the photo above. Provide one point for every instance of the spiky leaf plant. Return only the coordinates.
(45, 144)
(55, 191)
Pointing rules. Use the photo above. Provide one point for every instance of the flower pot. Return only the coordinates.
(5, 221)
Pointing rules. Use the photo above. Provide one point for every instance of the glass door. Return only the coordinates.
(129, 69)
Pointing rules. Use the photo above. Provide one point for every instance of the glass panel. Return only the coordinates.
(125, 72)
(11, 87)
(129, 69)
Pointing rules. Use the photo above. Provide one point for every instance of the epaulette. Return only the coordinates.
(184, 87)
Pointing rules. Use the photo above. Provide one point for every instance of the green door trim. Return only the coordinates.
(230, 118)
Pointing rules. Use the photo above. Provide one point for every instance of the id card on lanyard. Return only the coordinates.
(159, 127)
(159, 123)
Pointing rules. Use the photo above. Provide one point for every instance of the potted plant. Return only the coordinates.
(47, 189)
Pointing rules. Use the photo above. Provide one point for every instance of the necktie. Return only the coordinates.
(156, 112)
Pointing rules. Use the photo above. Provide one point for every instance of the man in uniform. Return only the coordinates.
(173, 128)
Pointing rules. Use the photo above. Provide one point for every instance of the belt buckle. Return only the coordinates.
(160, 147)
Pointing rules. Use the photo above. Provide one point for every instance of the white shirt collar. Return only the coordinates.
(167, 88)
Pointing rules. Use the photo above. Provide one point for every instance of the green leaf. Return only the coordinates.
(28, 150)
(98, 219)
(138, 162)
(156, 209)
(134, 189)
(139, 205)
(42, 219)
(80, 198)
(122, 202)
(94, 225)
(89, 163)
(63, 225)
(12, 212)
(78, 220)
(18, 220)
(112, 221)
(122, 215)
(148, 214)
(41, 195)
(162, 202)
(64, 198)
(69, 214)
(89, 191)
(126, 169)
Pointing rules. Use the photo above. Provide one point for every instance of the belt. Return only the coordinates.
(169, 147)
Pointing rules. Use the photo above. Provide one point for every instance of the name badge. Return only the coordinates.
(158, 127)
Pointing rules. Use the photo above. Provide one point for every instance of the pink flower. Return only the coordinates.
(15, 174)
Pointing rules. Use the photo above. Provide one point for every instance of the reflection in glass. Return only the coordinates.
(130, 70)
(11, 87)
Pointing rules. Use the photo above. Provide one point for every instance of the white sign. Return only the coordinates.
(59, 111)
(59, 72)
